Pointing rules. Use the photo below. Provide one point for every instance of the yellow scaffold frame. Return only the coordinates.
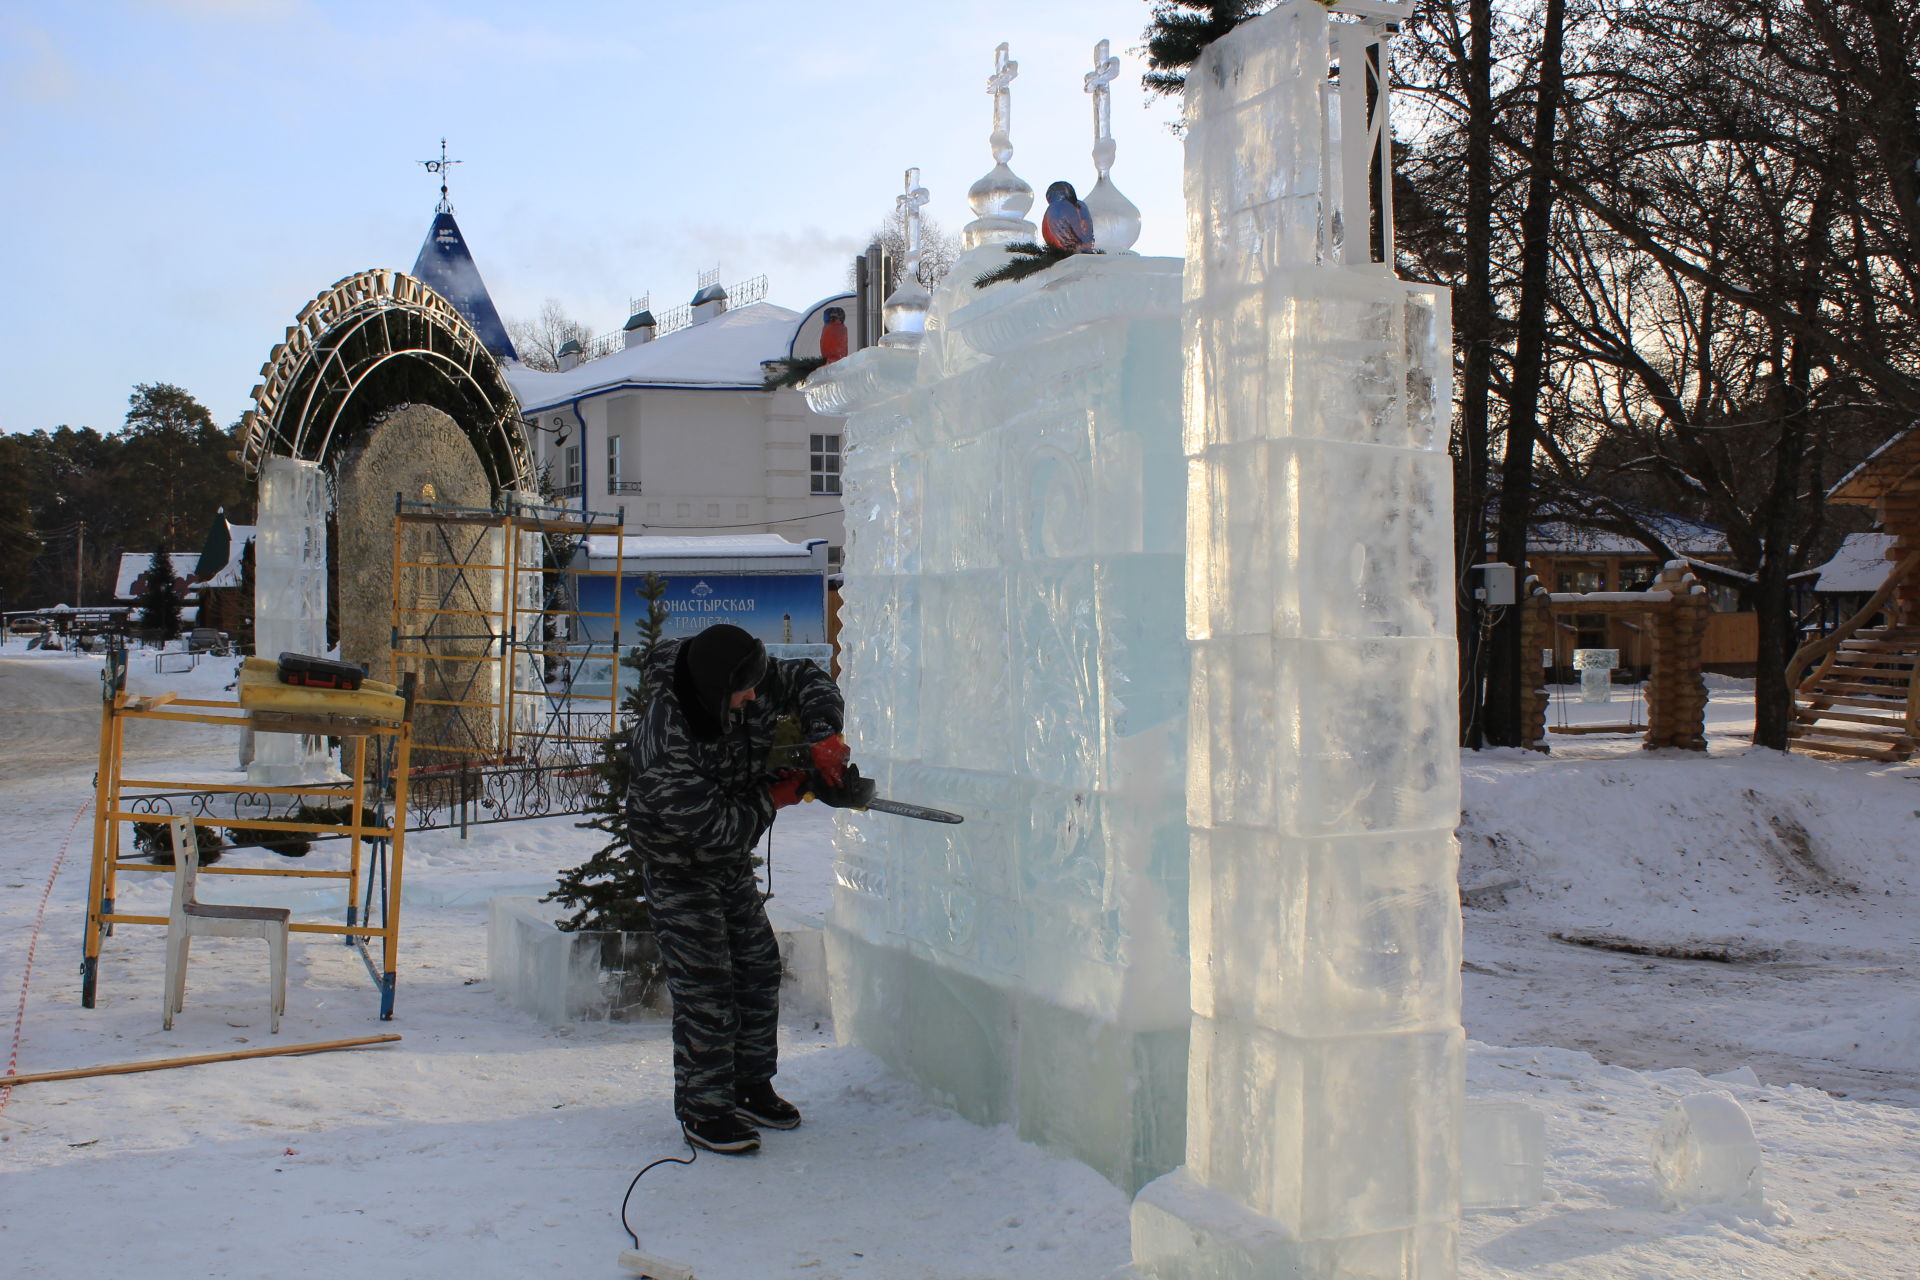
(376, 857)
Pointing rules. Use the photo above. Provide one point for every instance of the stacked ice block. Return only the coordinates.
(290, 603)
(1013, 651)
(1325, 1074)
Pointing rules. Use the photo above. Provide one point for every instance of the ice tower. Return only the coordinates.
(290, 603)
(1325, 1076)
(1013, 650)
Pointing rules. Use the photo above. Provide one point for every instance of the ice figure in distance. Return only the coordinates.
(905, 310)
(1001, 199)
(1116, 220)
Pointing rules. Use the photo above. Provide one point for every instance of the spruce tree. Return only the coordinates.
(607, 889)
(160, 602)
(1181, 29)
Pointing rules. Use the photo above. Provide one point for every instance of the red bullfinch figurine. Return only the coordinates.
(833, 335)
(1067, 224)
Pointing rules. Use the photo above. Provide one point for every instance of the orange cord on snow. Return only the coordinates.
(33, 941)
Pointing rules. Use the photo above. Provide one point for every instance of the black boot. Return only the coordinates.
(760, 1104)
(729, 1135)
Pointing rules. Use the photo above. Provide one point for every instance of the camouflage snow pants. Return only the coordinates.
(723, 972)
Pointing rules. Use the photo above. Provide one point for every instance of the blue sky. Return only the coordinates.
(181, 176)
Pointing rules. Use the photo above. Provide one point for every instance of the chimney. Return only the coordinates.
(570, 353)
(640, 327)
(708, 303)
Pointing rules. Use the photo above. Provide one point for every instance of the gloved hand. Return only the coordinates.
(830, 759)
(788, 787)
(852, 792)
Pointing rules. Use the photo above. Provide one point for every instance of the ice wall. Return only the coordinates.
(1325, 1076)
(290, 604)
(1013, 650)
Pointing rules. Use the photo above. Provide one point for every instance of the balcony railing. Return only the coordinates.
(624, 486)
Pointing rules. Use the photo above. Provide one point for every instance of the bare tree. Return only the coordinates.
(938, 248)
(538, 342)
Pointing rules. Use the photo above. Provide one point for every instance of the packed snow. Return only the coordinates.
(487, 1143)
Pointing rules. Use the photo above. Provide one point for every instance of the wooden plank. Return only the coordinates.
(1849, 749)
(164, 1064)
(1898, 726)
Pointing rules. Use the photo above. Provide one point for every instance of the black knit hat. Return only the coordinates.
(716, 664)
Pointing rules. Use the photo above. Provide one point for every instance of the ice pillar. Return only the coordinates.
(290, 603)
(1325, 1073)
(1012, 649)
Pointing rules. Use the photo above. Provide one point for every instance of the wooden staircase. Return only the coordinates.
(1860, 697)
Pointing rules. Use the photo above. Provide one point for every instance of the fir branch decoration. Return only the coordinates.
(608, 890)
(1029, 259)
(1181, 30)
(790, 372)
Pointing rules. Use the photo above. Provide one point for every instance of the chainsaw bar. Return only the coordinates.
(901, 808)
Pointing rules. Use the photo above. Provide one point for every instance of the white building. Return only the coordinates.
(678, 432)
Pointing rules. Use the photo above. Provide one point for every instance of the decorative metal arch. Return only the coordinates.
(373, 340)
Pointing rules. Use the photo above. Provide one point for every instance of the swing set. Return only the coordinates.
(1671, 615)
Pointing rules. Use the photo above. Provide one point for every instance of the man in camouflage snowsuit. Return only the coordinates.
(702, 795)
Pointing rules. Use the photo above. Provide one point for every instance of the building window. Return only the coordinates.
(824, 463)
(570, 467)
(834, 558)
(613, 463)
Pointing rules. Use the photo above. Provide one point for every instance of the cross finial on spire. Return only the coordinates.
(1106, 68)
(441, 167)
(1000, 85)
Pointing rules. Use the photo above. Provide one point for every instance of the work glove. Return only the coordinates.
(788, 787)
(852, 791)
(830, 759)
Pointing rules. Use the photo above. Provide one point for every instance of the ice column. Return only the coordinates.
(1325, 1074)
(290, 603)
(1012, 649)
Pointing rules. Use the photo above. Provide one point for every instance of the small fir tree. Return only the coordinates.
(160, 602)
(1181, 29)
(607, 890)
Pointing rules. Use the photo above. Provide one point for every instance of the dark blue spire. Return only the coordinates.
(448, 269)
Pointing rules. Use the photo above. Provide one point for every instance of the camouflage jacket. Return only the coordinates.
(695, 803)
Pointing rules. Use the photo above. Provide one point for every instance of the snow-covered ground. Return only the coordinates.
(487, 1144)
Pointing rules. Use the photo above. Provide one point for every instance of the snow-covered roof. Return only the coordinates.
(1686, 537)
(134, 565)
(1860, 564)
(733, 546)
(1885, 469)
(724, 352)
(229, 574)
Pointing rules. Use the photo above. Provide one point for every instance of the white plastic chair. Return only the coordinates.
(190, 919)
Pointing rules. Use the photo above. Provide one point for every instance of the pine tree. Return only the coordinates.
(1181, 29)
(607, 889)
(160, 602)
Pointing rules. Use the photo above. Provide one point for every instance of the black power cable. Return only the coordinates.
(624, 1225)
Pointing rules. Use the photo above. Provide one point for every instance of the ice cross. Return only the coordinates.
(1000, 85)
(909, 203)
(1106, 68)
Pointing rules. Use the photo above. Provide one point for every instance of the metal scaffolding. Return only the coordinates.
(489, 614)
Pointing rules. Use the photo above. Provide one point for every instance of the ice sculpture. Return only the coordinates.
(1116, 219)
(1705, 1153)
(905, 310)
(1326, 1064)
(1012, 649)
(1001, 199)
(290, 604)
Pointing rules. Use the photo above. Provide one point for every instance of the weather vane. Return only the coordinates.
(442, 167)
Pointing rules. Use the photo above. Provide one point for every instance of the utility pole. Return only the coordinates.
(79, 560)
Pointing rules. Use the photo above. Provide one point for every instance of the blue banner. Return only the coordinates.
(778, 608)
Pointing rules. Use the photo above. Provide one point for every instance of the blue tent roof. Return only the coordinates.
(447, 267)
